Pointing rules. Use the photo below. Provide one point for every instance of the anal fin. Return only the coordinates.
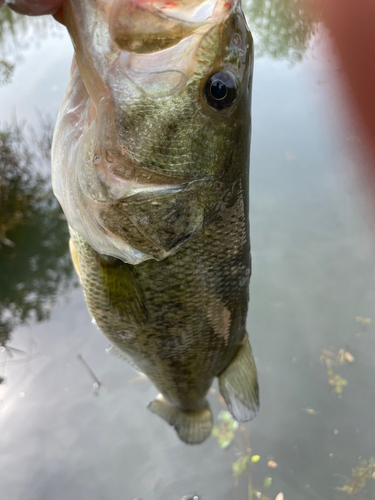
(238, 384)
(192, 427)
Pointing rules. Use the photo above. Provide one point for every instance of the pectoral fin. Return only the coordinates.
(238, 384)
(192, 427)
(115, 351)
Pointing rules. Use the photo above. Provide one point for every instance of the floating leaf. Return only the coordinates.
(255, 458)
(272, 464)
(345, 356)
(267, 482)
(334, 359)
(280, 496)
(337, 381)
(362, 320)
(215, 430)
(329, 358)
(349, 357)
(233, 425)
(364, 470)
(224, 432)
(224, 441)
(225, 416)
(310, 411)
(261, 496)
(240, 465)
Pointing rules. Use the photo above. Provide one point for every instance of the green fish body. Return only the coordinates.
(156, 195)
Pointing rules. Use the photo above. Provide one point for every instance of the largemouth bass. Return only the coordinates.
(151, 166)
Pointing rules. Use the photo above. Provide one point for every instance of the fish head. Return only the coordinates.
(148, 142)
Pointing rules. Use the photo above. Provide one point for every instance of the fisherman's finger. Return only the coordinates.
(33, 7)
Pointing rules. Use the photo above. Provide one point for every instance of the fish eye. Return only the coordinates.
(220, 90)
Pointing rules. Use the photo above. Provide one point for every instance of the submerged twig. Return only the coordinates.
(97, 383)
(219, 397)
(174, 493)
(363, 471)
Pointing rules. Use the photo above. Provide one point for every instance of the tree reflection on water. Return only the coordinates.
(34, 260)
(282, 28)
(17, 33)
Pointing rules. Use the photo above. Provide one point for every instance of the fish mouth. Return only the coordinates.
(147, 26)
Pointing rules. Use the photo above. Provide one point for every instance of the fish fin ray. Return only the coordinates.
(115, 351)
(192, 427)
(125, 295)
(74, 256)
(238, 384)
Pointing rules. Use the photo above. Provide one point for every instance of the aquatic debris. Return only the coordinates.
(267, 482)
(332, 359)
(260, 496)
(272, 464)
(336, 381)
(219, 397)
(12, 350)
(360, 474)
(96, 385)
(363, 320)
(310, 411)
(339, 358)
(240, 465)
(243, 463)
(280, 496)
(349, 357)
(224, 432)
